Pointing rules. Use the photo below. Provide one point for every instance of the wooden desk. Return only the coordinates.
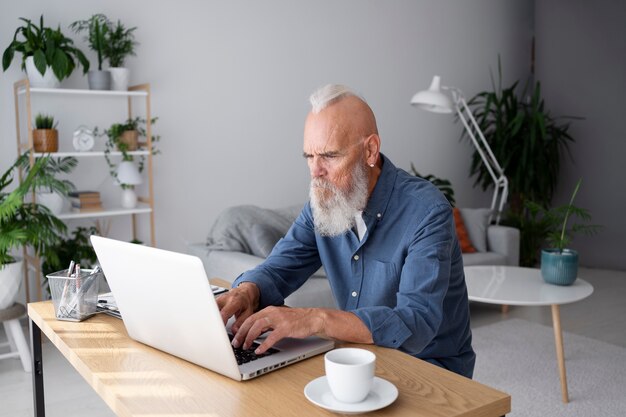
(137, 380)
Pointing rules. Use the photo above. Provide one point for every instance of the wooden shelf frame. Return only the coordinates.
(25, 144)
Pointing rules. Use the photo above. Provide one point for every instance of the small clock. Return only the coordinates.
(83, 139)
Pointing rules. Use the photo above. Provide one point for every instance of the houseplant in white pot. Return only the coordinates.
(23, 223)
(120, 43)
(48, 57)
(559, 264)
(97, 28)
(125, 138)
(53, 195)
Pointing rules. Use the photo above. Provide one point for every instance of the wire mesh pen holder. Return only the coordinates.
(74, 298)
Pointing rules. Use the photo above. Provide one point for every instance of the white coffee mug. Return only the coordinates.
(350, 372)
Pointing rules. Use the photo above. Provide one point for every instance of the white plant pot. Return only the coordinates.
(53, 201)
(10, 280)
(129, 198)
(48, 80)
(119, 78)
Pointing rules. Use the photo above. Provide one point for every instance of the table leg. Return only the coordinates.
(560, 356)
(35, 345)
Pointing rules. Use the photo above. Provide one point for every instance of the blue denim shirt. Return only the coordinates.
(404, 280)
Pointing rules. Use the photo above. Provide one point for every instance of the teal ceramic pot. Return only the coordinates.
(559, 268)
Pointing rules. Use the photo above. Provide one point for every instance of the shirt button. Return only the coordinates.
(354, 294)
(356, 257)
(379, 215)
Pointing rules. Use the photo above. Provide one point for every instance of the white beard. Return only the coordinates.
(334, 215)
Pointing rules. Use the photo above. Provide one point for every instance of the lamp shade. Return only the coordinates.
(127, 173)
(433, 99)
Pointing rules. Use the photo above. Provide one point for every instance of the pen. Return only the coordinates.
(70, 270)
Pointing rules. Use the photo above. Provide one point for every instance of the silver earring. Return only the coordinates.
(371, 165)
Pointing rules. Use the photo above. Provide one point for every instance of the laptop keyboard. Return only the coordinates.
(248, 355)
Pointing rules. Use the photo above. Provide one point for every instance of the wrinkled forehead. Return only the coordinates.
(338, 127)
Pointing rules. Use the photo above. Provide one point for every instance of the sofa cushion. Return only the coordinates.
(249, 229)
(461, 232)
(264, 237)
(476, 222)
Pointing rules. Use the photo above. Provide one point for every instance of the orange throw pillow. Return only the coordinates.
(461, 232)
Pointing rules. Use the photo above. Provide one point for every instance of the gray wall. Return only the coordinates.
(581, 62)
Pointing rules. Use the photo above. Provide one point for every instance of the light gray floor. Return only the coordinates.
(601, 316)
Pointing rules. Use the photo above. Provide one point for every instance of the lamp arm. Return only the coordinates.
(492, 157)
(493, 167)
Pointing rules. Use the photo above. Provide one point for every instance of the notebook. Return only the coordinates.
(167, 303)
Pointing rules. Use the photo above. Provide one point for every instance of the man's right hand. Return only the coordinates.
(241, 302)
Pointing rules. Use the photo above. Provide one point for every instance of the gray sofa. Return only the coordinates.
(243, 236)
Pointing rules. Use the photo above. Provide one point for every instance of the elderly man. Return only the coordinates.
(386, 240)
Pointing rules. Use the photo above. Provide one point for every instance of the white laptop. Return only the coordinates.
(166, 302)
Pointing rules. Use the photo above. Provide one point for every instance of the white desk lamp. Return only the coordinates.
(128, 175)
(436, 101)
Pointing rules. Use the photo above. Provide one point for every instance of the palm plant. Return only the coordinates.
(97, 28)
(120, 44)
(524, 136)
(23, 223)
(528, 141)
(49, 48)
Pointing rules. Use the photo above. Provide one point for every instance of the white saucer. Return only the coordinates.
(382, 394)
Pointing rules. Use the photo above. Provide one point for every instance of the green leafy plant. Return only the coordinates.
(48, 47)
(120, 44)
(114, 135)
(97, 28)
(44, 121)
(23, 223)
(529, 142)
(444, 186)
(76, 247)
(558, 234)
(54, 167)
(524, 137)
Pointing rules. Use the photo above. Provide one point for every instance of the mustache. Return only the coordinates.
(322, 183)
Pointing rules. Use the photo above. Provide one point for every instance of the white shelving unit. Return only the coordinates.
(25, 144)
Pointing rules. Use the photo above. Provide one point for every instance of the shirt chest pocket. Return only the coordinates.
(383, 277)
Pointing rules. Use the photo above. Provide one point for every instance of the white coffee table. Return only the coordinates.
(512, 285)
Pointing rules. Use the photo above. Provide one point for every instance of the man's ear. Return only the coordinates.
(372, 148)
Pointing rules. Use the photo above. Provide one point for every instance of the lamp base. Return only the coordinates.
(129, 198)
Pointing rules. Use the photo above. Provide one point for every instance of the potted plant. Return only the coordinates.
(125, 138)
(52, 195)
(24, 224)
(45, 134)
(529, 142)
(48, 57)
(559, 264)
(120, 44)
(97, 28)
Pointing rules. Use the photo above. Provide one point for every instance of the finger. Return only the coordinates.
(242, 331)
(270, 341)
(230, 307)
(261, 325)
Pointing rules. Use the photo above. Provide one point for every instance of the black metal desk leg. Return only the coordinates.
(35, 346)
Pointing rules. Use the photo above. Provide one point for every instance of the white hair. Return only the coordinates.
(328, 94)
